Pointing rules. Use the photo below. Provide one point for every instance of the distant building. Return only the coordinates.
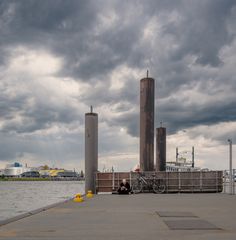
(174, 168)
(181, 166)
(182, 162)
(15, 170)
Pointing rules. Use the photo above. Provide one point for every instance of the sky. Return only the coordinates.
(59, 57)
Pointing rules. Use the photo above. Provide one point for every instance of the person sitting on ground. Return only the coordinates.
(124, 187)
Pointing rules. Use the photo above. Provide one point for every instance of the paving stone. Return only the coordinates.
(190, 225)
(175, 214)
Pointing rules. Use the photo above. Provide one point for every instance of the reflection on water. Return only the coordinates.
(20, 197)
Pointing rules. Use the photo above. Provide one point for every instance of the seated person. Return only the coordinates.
(124, 187)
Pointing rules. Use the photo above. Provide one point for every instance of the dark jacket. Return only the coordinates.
(124, 188)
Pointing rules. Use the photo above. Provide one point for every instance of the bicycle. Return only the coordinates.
(143, 183)
(159, 186)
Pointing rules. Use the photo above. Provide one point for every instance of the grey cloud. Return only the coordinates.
(129, 120)
(203, 30)
(33, 112)
(102, 94)
(177, 115)
(45, 148)
(219, 134)
(40, 117)
(72, 30)
(69, 29)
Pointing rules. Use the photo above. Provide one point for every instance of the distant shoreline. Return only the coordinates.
(24, 179)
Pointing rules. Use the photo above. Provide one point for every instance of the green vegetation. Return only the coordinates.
(23, 179)
(15, 179)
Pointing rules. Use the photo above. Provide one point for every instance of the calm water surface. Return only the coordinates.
(20, 197)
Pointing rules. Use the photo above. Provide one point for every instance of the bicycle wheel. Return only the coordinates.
(137, 187)
(158, 188)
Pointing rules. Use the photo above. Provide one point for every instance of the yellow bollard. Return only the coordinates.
(89, 194)
(78, 198)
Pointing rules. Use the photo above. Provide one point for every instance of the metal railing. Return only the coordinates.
(228, 185)
(199, 181)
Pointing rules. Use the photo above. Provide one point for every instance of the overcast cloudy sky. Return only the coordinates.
(59, 57)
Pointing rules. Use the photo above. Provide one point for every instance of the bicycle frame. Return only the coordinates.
(148, 184)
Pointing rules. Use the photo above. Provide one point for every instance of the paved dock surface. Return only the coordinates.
(141, 216)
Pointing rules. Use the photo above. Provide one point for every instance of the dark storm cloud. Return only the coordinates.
(194, 115)
(95, 38)
(202, 30)
(49, 149)
(103, 95)
(58, 25)
(8, 109)
(25, 113)
(71, 29)
(131, 121)
(37, 117)
(53, 17)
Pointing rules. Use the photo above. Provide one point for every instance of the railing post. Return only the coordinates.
(96, 182)
(191, 175)
(113, 181)
(130, 179)
(167, 181)
(234, 172)
(230, 167)
(224, 181)
(216, 174)
(179, 181)
(118, 178)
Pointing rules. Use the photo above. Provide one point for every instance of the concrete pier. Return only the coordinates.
(141, 216)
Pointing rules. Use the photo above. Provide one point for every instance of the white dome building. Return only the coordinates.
(14, 170)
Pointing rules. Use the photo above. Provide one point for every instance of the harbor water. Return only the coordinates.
(20, 197)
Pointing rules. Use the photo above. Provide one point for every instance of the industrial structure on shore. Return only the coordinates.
(17, 170)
